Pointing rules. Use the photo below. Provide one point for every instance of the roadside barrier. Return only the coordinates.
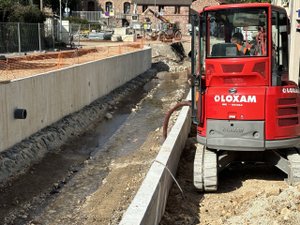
(148, 205)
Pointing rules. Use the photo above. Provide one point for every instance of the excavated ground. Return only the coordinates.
(91, 177)
(247, 194)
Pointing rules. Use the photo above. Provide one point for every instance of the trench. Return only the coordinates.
(46, 178)
(49, 174)
(26, 196)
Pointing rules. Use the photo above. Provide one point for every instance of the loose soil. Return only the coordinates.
(247, 194)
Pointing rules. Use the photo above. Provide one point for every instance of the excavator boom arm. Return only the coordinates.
(157, 15)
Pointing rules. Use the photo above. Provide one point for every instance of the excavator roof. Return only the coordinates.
(239, 5)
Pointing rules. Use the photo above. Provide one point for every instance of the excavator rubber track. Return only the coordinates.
(205, 169)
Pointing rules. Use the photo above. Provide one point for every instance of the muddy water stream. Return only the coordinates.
(68, 175)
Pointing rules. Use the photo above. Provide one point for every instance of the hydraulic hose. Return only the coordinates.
(169, 113)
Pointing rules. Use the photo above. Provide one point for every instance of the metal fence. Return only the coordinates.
(91, 16)
(100, 17)
(24, 37)
(27, 37)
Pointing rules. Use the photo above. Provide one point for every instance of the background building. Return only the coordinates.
(200, 4)
(121, 12)
(176, 11)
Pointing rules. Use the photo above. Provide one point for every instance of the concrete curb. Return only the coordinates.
(149, 204)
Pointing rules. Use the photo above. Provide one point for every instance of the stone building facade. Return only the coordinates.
(178, 15)
(200, 4)
(176, 11)
(121, 11)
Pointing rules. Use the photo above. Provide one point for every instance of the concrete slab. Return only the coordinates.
(129, 38)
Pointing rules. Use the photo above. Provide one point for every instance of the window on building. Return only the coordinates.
(177, 9)
(126, 7)
(145, 7)
(125, 23)
(91, 6)
(108, 6)
(161, 8)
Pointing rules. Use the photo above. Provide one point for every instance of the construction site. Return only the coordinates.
(36, 63)
(156, 126)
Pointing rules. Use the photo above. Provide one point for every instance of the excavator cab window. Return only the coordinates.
(238, 32)
(279, 47)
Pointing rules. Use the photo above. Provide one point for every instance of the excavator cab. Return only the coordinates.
(243, 103)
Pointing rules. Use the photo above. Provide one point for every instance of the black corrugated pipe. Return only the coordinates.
(169, 113)
(20, 113)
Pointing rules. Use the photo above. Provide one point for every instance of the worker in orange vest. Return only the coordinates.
(237, 38)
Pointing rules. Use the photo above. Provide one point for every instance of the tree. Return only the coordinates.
(5, 9)
(26, 14)
(20, 11)
(54, 4)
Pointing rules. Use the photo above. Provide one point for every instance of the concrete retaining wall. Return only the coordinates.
(51, 96)
(148, 205)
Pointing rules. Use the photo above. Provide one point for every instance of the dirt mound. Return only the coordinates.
(247, 194)
(273, 206)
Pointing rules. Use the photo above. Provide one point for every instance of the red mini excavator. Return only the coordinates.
(244, 105)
